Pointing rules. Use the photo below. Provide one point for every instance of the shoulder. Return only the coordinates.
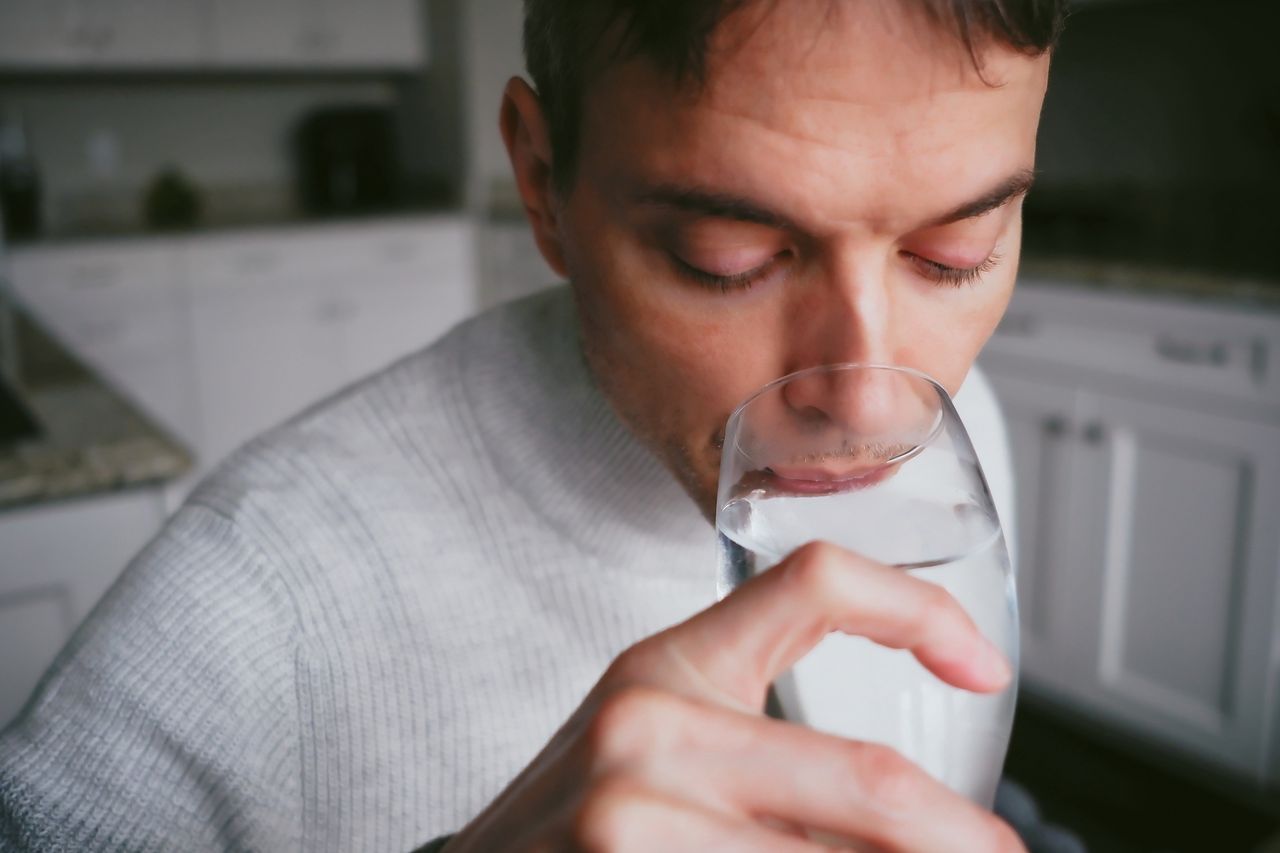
(399, 458)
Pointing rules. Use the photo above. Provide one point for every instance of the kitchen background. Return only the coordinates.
(219, 211)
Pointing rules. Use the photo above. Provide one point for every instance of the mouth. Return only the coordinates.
(821, 481)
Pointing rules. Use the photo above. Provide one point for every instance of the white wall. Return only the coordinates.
(99, 143)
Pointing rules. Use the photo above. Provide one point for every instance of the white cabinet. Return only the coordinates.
(61, 33)
(379, 34)
(1057, 606)
(511, 265)
(149, 32)
(56, 562)
(43, 32)
(1149, 485)
(281, 320)
(413, 284)
(261, 348)
(121, 308)
(318, 33)
(249, 32)
(221, 337)
(1185, 538)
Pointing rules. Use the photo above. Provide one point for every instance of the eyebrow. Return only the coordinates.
(728, 206)
(710, 203)
(1017, 184)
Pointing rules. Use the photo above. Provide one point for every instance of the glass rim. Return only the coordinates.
(736, 414)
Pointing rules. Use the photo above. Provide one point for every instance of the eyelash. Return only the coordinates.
(957, 276)
(939, 273)
(725, 283)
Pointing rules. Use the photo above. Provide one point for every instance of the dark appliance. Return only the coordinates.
(345, 160)
(19, 182)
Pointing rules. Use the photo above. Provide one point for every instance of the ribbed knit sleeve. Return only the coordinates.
(170, 721)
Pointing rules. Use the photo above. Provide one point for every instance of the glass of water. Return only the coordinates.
(874, 458)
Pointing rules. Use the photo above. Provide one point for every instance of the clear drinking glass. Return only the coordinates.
(875, 459)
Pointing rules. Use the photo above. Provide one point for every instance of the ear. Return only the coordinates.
(524, 129)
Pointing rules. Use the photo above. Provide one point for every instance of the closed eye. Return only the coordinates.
(954, 276)
(736, 281)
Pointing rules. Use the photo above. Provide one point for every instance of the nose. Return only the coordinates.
(848, 319)
(867, 405)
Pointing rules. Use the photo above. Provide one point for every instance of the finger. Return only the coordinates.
(749, 765)
(744, 766)
(621, 814)
(733, 650)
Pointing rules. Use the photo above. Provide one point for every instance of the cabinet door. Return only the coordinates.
(1179, 510)
(378, 33)
(122, 310)
(1058, 601)
(57, 562)
(262, 356)
(318, 33)
(94, 33)
(149, 32)
(43, 32)
(267, 335)
(253, 33)
(413, 285)
(510, 264)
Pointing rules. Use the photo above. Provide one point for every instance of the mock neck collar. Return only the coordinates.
(555, 440)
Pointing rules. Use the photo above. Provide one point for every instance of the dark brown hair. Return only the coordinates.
(562, 40)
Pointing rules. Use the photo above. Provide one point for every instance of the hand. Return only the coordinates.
(669, 751)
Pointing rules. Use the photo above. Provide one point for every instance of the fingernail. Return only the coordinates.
(995, 666)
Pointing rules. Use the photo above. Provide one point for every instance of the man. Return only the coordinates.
(358, 632)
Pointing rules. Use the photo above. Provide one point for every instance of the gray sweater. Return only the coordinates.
(367, 621)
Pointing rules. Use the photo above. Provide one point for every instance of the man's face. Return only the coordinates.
(844, 188)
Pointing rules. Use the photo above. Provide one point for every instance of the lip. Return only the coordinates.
(817, 481)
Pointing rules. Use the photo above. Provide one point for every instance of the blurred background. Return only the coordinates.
(217, 212)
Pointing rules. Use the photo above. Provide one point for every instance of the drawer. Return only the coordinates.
(1185, 345)
(354, 253)
(87, 278)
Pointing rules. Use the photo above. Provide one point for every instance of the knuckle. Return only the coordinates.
(1002, 838)
(626, 722)
(604, 818)
(635, 663)
(815, 567)
(887, 779)
(939, 608)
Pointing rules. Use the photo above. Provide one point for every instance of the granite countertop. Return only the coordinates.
(92, 440)
(1226, 289)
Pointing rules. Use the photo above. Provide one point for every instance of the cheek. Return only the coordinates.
(944, 333)
(667, 344)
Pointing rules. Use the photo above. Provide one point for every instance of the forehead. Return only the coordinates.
(857, 110)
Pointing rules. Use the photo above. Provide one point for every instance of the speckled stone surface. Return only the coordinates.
(92, 440)
(1207, 287)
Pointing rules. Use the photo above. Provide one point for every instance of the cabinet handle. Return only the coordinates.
(255, 263)
(1188, 352)
(92, 278)
(1095, 433)
(103, 38)
(319, 41)
(335, 312)
(1055, 426)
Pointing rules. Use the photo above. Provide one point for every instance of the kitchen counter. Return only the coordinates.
(287, 219)
(1221, 288)
(92, 439)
